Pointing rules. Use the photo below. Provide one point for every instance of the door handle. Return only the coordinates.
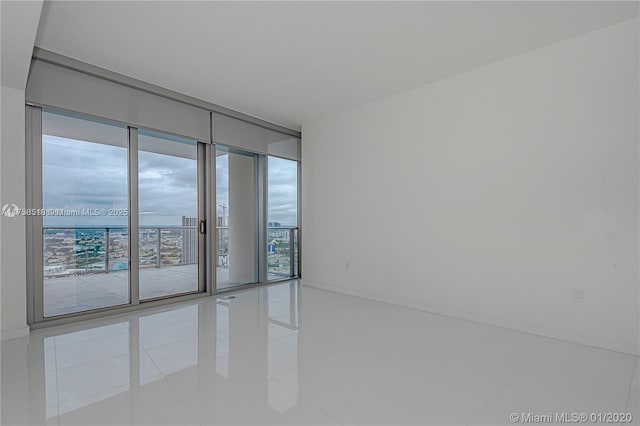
(203, 226)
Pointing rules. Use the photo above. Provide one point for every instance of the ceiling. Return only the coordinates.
(290, 62)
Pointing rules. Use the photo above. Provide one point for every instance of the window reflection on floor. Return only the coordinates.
(85, 367)
(222, 339)
(170, 339)
(259, 361)
(88, 366)
(282, 347)
(252, 348)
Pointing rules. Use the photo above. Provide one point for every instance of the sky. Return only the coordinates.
(87, 175)
(282, 192)
(282, 195)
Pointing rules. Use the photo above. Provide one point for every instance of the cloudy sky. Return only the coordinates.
(282, 194)
(283, 191)
(86, 175)
(77, 175)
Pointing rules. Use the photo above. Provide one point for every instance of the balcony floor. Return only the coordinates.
(80, 293)
(92, 291)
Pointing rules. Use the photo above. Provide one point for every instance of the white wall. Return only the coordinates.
(13, 296)
(19, 21)
(491, 195)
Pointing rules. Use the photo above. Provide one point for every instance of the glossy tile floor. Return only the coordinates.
(291, 354)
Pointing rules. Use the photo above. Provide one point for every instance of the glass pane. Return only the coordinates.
(282, 217)
(168, 203)
(236, 207)
(85, 229)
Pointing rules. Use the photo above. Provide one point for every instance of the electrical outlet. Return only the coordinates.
(578, 296)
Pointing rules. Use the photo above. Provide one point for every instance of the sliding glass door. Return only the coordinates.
(94, 254)
(168, 215)
(121, 215)
(85, 220)
(282, 216)
(237, 218)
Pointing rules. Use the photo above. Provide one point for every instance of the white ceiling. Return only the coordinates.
(289, 62)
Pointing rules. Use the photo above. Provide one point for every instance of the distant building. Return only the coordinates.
(189, 240)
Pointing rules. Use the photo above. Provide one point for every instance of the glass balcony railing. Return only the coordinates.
(87, 249)
(168, 246)
(283, 253)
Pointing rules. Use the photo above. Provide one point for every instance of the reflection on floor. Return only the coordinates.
(291, 354)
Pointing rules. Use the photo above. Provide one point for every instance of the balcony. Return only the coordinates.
(86, 268)
(282, 255)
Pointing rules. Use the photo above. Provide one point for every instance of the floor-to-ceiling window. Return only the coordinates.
(236, 218)
(85, 223)
(124, 215)
(134, 197)
(282, 217)
(168, 214)
(91, 253)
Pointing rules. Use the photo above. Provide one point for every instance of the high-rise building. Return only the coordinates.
(189, 240)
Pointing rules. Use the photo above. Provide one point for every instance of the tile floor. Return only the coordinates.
(292, 354)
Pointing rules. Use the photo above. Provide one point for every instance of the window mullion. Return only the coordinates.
(134, 234)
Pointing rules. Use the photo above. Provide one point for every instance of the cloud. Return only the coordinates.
(167, 186)
(282, 191)
(79, 175)
(85, 175)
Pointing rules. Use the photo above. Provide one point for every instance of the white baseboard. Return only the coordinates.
(600, 342)
(15, 333)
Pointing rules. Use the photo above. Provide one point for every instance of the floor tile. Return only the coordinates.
(152, 404)
(565, 378)
(291, 354)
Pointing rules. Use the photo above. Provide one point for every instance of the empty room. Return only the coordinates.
(319, 212)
